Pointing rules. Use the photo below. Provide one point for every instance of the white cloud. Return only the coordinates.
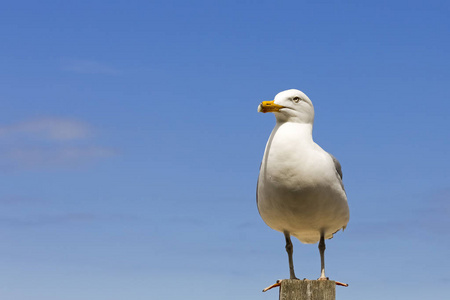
(57, 129)
(18, 199)
(434, 215)
(40, 156)
(34, 220)
(48, 142)
(39, 220)
(425, 216)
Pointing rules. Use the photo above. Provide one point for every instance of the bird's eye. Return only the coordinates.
(296, 99)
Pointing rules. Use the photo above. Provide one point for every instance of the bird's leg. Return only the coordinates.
(322, 257)
(290, 250)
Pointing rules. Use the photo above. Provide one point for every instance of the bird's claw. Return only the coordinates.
(337, 282)
(278, 283)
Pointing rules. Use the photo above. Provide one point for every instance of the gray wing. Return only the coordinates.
(257, 184)
(337, 165)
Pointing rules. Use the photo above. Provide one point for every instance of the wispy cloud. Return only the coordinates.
(41, 220)
(425, 216)
(48, 142)
(19, 199)
(186, 221)
(434, 215)
(37, 220)
(88, 67)
(57, 129)
(61, 155)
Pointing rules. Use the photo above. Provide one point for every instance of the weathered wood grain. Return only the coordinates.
(308, 290)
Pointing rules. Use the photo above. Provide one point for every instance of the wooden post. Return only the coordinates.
(292, 289)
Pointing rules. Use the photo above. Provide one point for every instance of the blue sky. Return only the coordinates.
(130, 145)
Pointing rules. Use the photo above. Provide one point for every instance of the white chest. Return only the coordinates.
(293, 160)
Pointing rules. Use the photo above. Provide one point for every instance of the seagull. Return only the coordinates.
(300, 191)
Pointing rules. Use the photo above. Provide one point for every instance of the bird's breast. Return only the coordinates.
(292, 160)
(298, 187)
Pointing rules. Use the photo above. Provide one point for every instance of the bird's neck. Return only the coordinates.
(301, 131)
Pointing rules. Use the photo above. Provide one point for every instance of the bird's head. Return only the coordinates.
(290, 106)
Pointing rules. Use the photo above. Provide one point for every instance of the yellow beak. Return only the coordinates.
(269, 106)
